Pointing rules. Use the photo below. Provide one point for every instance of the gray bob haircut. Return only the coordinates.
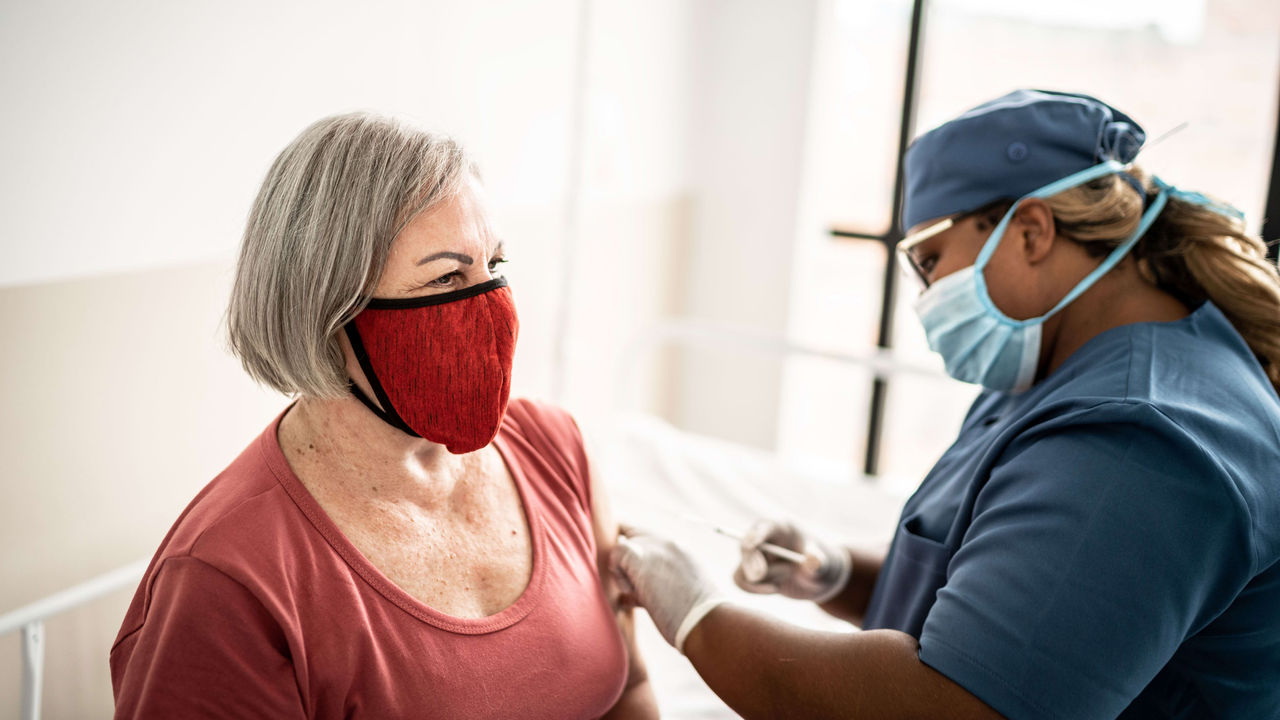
(317, 239)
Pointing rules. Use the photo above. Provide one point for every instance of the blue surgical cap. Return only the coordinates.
(1009, 147)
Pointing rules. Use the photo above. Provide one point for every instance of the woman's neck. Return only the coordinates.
(1121, 297)
(341, 442)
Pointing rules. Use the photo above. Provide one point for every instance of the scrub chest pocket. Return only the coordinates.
(907, 588)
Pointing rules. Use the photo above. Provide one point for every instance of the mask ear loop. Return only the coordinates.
(1116, 255)
(388, 411)
(1190, 196)
(1108, 167)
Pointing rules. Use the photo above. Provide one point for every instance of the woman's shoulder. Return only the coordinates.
(232, 534)
(1196, 373)
(543, 423)
(243, 507)
(1193, 443)
(526, 411)
(544, 436)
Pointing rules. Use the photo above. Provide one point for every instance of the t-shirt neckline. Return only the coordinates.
(269, 444)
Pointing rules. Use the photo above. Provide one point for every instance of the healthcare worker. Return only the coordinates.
(1101, 540)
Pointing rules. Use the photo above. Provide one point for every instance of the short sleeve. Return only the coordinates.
(207, 649)
(554, 432)
(1095, 549)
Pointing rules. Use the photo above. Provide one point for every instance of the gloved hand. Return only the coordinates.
(665, 581)
(822, 575)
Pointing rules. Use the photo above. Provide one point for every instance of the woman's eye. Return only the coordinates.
(927, 263)
(444, 280)
(452, 278)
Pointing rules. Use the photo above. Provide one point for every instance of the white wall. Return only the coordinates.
(632, 223)
(749, 115)
(136, 132)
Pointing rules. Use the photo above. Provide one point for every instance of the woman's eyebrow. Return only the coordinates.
(446, 255)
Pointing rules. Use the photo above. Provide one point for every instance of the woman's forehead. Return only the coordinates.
(462, 221)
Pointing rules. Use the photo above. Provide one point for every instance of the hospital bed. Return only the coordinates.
(660, 478)
(669, 481)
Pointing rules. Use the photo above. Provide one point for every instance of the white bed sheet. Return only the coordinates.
(658, 477)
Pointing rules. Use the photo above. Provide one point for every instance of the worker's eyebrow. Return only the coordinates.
(446, 255)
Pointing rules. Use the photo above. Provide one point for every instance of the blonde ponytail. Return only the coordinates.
(1190, 251)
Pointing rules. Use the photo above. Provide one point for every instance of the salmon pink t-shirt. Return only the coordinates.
(257, 606)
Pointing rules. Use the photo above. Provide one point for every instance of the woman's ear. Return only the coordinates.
(1033, 226)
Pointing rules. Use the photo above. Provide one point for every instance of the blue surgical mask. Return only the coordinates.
(978, 342)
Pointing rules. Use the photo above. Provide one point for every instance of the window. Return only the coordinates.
(1212, 66)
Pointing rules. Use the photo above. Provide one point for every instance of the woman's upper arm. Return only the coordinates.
(603, 525)
(637, 700)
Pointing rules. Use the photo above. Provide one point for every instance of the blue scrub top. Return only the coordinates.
(1105, 543)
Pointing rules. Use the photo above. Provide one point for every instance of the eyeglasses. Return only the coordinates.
(908, 243)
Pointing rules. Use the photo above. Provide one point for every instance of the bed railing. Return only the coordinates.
(29, 620)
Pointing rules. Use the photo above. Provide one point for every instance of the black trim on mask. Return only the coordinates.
(388, 411)
(441, 299)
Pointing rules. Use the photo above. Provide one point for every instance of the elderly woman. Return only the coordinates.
(399, 542)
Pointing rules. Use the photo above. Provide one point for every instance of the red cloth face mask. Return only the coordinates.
(440, 365)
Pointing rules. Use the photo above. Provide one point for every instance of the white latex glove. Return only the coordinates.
(822, 575)
(666, 582)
